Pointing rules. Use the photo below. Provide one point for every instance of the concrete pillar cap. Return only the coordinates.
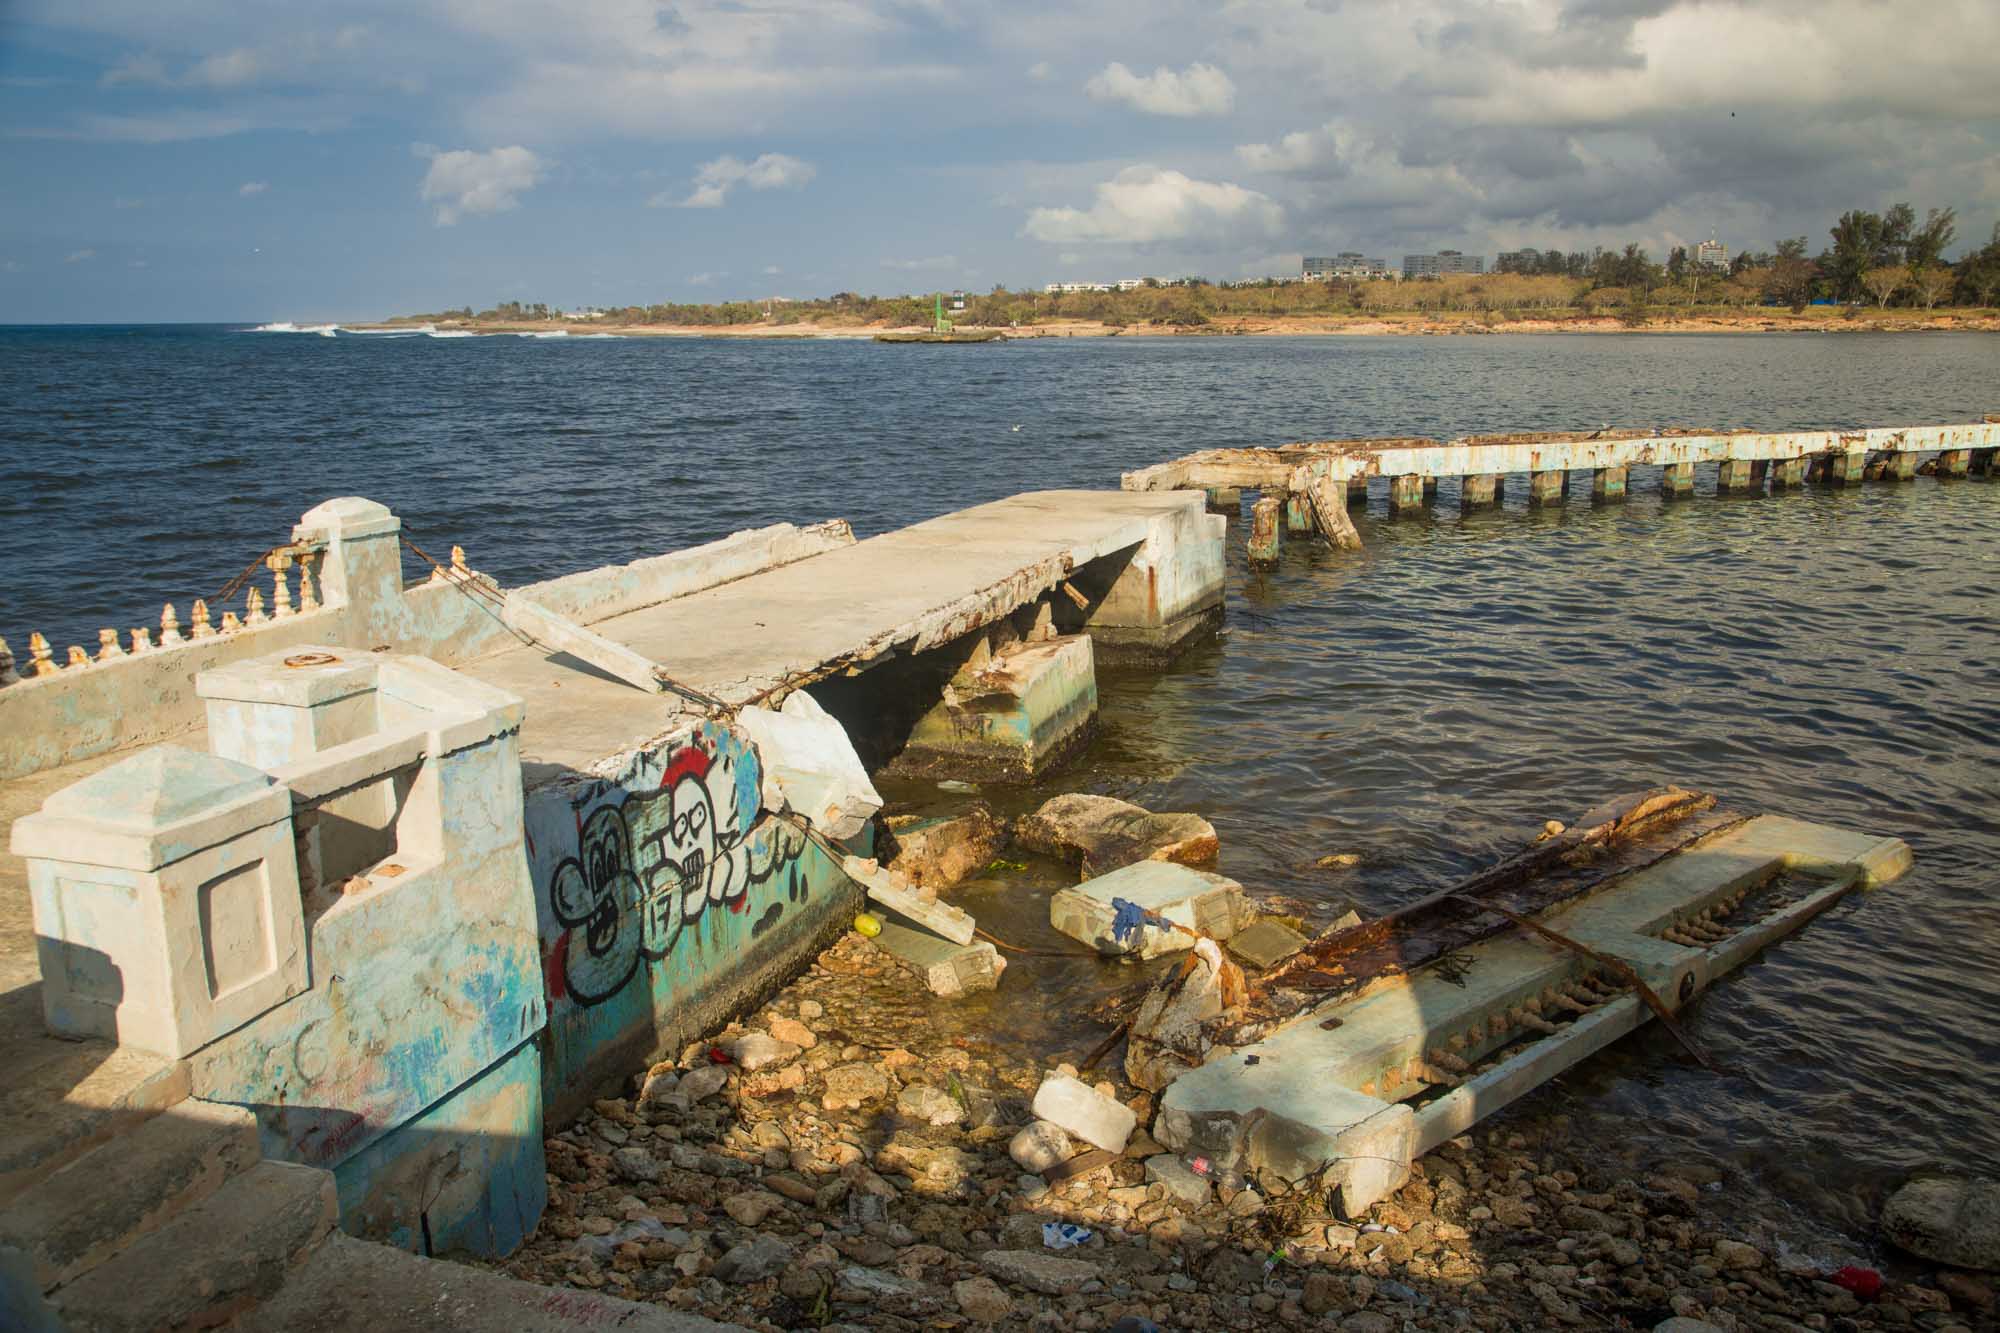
(155, 808)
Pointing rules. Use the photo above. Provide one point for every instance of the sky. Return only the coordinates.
(221, 160)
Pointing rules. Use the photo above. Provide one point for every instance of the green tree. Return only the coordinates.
(1790, 278)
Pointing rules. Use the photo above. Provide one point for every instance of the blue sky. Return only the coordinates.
(212, 159)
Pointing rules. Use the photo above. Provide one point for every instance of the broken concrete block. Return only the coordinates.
(1201, 901)
(1266, 942)
(938, 853)
(947, 969)
(1085, 1112)
(1040, 1146)
(1103, 833)
(1169, 1034)
(1008, 717)
(810, 766)
(1179, 1178)
(899, 896)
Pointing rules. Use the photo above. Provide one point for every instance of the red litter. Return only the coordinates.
(1863, 1282)
(718, 1056)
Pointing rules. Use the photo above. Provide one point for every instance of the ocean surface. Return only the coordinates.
(1424, 704)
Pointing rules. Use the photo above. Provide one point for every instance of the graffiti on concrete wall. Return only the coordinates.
(677, 838)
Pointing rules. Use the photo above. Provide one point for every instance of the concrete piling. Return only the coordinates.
(1846, 468)
(1954, 462)
(1298, 513)
(1481, 488)
(1982, 461)
(1788, 472)
(1225, 500)
(1609, 484)
(1736, 477)
(1266, 531)
(1900, 466)
(1677, 479)
(1546, 488)
(1406, 493)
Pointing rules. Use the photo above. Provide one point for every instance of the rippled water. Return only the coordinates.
(1427, 703)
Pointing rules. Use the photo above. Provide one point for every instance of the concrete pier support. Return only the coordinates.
(1954, 462)
(1406, 493)
(1677, 479)
(1546, 488)
(1480, 489)
(1609, 484)
(1846, 469)
(1983, 461)
(1760, 473)
(1900, 466)
(1788, 472)
(1266, 531)
(1010, 716)
(1298, 513)
(1225, 500)
(1736, 478)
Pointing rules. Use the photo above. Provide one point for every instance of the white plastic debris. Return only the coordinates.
(1085, 1112)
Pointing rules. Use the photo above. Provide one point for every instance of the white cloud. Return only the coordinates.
(164, 127)
(463, 182)
(123, 203)
(714, 181)
(772, 270)
(1149, 206)
(1198, 90)
(137, 263)
(1041, 71)
(706, 279)
(248, 188)
(79, 256)
(11, 267)
(918, 265)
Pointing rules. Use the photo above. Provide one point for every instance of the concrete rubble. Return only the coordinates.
(938, 853)
(1169, 1034)
(1081, 1110)
(810, 766)
(1102, 833)
(877, 1215)
(1150, 908)
(1010, 715)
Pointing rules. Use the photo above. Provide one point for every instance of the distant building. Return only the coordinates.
(957, 301)
(1442, 264)
(1712, 254)
(1518, 261)
(1130, 284)
(1346, 265)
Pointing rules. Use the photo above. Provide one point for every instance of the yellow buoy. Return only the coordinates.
(867, 925)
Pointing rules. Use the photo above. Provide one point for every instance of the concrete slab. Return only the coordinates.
(890, 890)
(905, 591)
(1013, 717)
(1266, 942)
(945, 968)
(1200, 900)
(1310, 1095)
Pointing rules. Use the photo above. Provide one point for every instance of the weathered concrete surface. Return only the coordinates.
(946, 968)
(899, 895)
(212, 1262)
(351, 1284)
(810, 766)
(1011, 716)
(1199, 901)
(93, 1207)
(1102, 833)
(1149, 568)
(1309, 1095)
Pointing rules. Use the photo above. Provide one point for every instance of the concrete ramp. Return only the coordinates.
(1360, 1087)
(1141, 573)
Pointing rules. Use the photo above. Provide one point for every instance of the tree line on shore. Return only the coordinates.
(1874, 259)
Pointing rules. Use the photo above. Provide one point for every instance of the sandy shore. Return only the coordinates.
(1816, 320)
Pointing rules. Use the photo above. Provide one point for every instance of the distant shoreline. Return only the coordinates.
(1818, 319)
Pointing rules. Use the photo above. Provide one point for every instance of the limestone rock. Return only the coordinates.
(1180, 1180)
(1050, 1274)
(852, 1085)
(1040, 1146)
(939, 853)
(1947, 1221)
(794, 1032)
(933, 1106)
(754, 1260)
(756, 1050)
(705, 1082)
(750, 1209)
(981, 1300)
(1682, 1324)
(1085, 1112)
(1103, 833)
(1734, 1255)
(637, 1164)
(1323, 1292)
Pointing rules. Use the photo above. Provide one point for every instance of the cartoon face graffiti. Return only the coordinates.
(663, 854)
(590, 894)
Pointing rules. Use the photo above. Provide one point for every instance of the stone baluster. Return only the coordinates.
(253, 608)
(308, 598)
(280, 563)
(200, 629)
(39, 660)
(230, 624)
(142, 640)
(78, 657)
(8, 676)
(107, 645)
(170, 627)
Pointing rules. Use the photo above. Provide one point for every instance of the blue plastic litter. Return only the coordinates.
(1127, 919)
(1062, 1235)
